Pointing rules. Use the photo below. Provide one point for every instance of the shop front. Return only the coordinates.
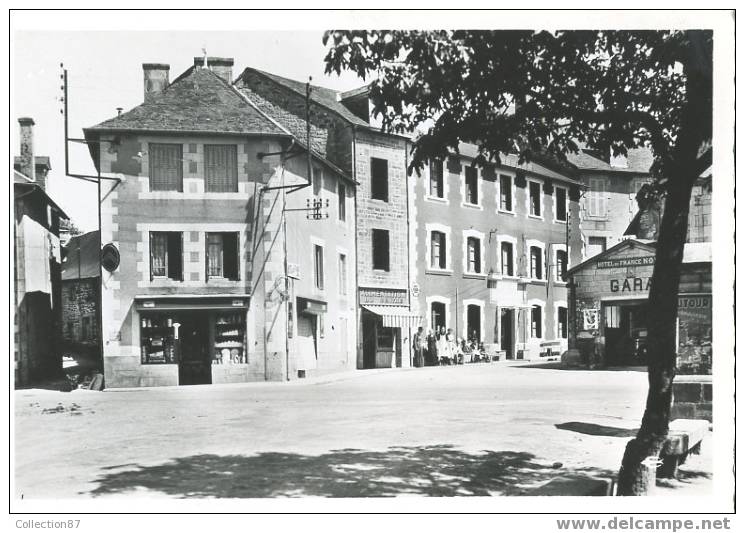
(610, 311)
(311, 326)
(202, 340)
(387, 326)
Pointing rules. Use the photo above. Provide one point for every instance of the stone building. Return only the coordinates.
(609, 293)
(81, 282)
(609, 310)
(342, 130)
(36, 266)
(608, 204)
(492, 248)
(207, 205)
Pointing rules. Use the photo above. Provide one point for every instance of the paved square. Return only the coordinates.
(478, 429)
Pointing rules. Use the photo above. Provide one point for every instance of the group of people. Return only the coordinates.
(442, 348)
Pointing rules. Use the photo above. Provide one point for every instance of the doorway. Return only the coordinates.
(307, 341)
(438, 316)
(368, 341)
(195, 364)
(625, 331)
(506, 332)
(473, 323)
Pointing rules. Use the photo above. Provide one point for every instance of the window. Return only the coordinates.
(536, 263)
(166, 259)
(222, 256)
(561, 264)
(436, 185)
(342, 274)
(536, 322)
(381, 254)
(342, 193)
(597, 203)
(379, 181)
(505, 193)
(595, 246)
(473, 249)
(562, 322)
(166, 167)
(507, 259)
(535, 198)
(318, 266)
(438, 250)
(561, 204)
(472, 186)
(221, 167)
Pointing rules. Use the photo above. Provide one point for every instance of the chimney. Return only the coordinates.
(28, 168)
(222, 66)
(156, 78)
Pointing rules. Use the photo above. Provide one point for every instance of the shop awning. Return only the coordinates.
(395, 317)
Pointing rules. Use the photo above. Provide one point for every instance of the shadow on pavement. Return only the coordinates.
(684, 477)
(597, 430)
(415, 470)
(560, 366)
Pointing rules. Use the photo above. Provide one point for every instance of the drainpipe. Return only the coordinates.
(357, 313)
(408, 246)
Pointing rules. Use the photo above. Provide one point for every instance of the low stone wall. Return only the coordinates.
(692, 397)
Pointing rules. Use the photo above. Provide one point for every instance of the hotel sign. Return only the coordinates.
(371, 296)
(627, 262)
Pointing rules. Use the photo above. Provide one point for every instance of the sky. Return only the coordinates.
(105, 72)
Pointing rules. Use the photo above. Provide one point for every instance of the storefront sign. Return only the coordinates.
(313, 307)
(694, 302)
(630, 285)
(626, 262)
(370, 296)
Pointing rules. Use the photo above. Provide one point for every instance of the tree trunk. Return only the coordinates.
(662, 349)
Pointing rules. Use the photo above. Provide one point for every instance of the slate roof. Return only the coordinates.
(511, 160)
(197, 101)
(320, 95)
(638, 161)
(81, 257)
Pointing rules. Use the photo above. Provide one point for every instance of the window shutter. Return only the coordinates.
(166, 167)
(221, 168)
(230, 263)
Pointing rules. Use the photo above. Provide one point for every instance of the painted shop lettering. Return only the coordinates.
(630, 284)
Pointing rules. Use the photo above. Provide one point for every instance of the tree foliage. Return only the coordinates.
(542, 92)
(537, 91)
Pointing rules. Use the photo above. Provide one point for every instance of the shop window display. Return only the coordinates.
(158, 344)
(230, 333)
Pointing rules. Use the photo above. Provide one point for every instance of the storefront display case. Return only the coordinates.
(157, 340)
(229, 339)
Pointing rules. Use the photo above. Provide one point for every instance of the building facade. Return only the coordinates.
(492, 248)
(216, 279)
(342, 131)
(608, 204)
(609, 294)
(36, 266)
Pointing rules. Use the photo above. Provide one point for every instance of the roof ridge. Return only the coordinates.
(253, 105)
